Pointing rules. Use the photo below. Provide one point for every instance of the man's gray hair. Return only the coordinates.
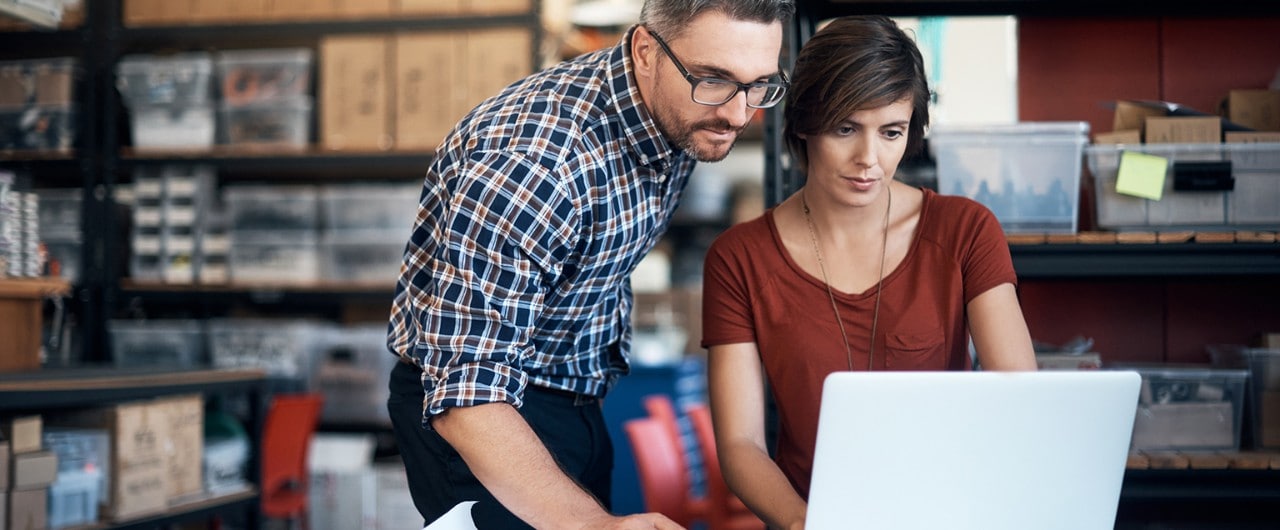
(670, 18)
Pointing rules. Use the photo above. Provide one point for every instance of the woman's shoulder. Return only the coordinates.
(955, 217)
(745, 238)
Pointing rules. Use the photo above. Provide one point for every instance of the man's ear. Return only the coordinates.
(644, 51)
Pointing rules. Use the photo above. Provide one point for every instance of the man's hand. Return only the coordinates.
(643, 521)
(513, 464)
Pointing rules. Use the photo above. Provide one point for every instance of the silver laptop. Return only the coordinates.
(971, 450)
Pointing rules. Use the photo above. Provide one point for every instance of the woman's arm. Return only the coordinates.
(736, 389)
(999, 330)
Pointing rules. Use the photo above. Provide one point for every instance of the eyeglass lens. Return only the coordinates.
(717, 92)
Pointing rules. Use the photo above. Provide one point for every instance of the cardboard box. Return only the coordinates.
(298, 9)
(247, 10)
(1233, 137)
(1269, 340)
(1070, 361)
(4, 470)
(1184, 130)
(428, 97)
(496, 58)
(28, 509)
(1131, 115)
(143, 12)
(1267, 431)
(183, 418)
(429, 7)
(139, 473)
(354, 86)
(34, 470)
(353, 9)
(496, 7)
(23, 433)
(1128, 136)
(1256, 109)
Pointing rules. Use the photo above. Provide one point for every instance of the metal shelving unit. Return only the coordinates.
(235, 164)
(52, 391)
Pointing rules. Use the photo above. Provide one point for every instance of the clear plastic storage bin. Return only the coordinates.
(174, 343)
(280, 123)
(42, 127)
(256, 76)
(1264, 388)
(370, 211)
(180, 126)
(1247, 193)
(281, 348)
(362, 260)
(354, 362)
(181, 79)
(277, 263)
(1189, 409)
(271, 213)
(1027, 174)
(38, 81)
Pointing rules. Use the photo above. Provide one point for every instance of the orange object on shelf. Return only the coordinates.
(21, 320)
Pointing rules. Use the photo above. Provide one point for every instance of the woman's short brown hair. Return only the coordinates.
(854, 63)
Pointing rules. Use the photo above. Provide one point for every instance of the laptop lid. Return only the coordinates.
(971, 450)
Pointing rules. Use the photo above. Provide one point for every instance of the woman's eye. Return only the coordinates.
(893, 134)
(844, 131)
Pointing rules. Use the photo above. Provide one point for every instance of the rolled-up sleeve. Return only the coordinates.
(488, 247)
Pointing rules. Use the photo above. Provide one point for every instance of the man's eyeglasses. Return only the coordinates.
(714, 91)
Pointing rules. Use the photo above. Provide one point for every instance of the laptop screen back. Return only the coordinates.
(971, 450)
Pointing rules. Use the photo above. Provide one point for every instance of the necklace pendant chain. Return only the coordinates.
(835, 308)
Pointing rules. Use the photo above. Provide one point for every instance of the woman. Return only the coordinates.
(855, 271)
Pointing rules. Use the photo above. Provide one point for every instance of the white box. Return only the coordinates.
(186, 126)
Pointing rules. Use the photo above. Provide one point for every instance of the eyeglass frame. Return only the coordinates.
(741, 87)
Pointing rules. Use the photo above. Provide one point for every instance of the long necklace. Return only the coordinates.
(875, 314)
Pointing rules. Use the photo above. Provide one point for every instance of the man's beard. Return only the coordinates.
(681, 135)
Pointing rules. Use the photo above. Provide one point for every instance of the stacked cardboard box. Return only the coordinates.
(184, 12)
(155, 453)
(31, 469)
(406, 92)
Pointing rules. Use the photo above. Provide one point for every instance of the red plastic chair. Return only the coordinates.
(726, 511)
(286, 438)
(662, 479)
(660, 408)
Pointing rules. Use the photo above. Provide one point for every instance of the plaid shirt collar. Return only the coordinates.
(645, 141)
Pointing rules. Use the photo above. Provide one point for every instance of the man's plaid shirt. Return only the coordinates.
(533, 215)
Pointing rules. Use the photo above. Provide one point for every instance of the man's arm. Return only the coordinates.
(512, 463)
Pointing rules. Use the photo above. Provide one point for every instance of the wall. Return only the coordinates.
(1071, 69)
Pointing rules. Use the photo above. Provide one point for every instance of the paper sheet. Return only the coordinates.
(457, 518)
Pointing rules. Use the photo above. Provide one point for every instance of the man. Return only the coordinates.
(511, 315)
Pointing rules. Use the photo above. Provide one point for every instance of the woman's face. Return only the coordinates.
(855, 161)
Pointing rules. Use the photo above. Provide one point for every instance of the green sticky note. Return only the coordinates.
(1141, 175)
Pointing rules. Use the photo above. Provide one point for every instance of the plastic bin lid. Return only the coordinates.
(145, 63)
(1040, 128)
(266, 55)
(1183, 371)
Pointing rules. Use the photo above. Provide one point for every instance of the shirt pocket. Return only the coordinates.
(921, 350)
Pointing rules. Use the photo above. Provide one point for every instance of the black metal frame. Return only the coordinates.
(103, 165)
(54, 390)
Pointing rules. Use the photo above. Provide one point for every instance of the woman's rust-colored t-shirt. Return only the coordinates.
(753, 291)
